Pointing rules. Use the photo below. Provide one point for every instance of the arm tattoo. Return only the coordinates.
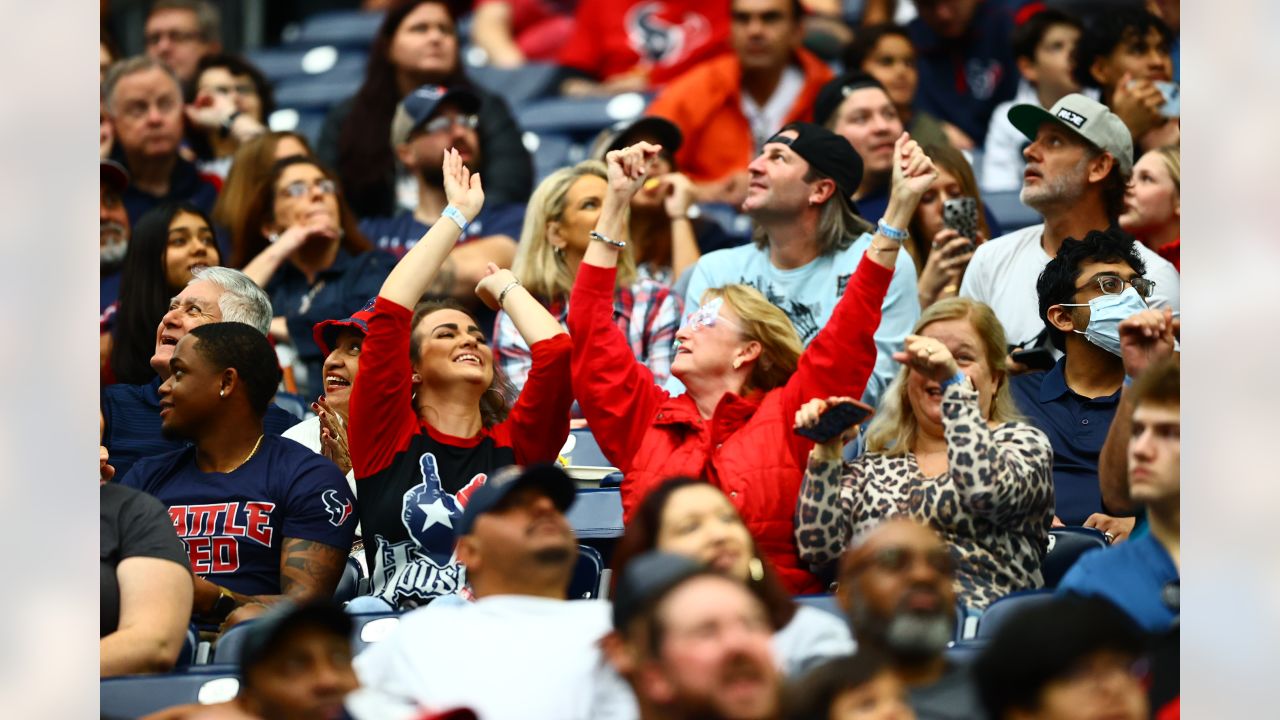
(309, 569)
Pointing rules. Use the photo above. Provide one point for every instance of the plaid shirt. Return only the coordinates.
(648, 313)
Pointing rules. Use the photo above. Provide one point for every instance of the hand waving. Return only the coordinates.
(462, 188)
(491, 285)
(629, 167)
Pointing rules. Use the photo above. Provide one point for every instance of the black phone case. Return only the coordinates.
(835, 420)
(1034, 358)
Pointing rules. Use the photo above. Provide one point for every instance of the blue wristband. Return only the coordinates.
(456, 216)
(956, 379)
(892, 233)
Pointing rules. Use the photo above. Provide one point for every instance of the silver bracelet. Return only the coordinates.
(608, 241)
(503, 295)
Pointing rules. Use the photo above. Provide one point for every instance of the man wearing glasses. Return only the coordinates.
(897, 589)
(1078, 164)
(180, 32)
(1085, 292)
(428, 122)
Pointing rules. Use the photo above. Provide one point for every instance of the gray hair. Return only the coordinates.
(242, 300)
(121, 68)
(207, 16)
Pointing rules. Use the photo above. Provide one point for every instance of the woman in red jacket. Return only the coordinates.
(739, 359)
(428, 419)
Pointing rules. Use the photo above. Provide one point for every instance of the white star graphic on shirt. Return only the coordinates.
(437, 514)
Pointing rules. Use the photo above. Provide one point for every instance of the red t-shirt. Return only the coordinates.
(659, 38)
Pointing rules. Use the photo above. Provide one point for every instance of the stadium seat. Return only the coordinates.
(369, 628)
(137, 695)
(580, 117)
(346, 28)
(304, 122)
(349, 583)
(585, 584)
(289, 63)
(552, 151)
(585, 451)
(732, 222)
(597, 514)
(315, 93)
(519, 85)
(1066, 545)
(1004, 608)
(226, 651)
(1009, 209)
(187, 655)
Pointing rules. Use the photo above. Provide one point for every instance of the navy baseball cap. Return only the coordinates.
(325, 332)
(264, 634)
(831, 95)
(647, 579)
(553, 482)
(828, 153)
(420, 106)
(626, 132)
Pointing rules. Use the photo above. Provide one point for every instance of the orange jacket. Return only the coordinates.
(706, 104)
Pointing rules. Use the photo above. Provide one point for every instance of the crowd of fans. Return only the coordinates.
(363, 352)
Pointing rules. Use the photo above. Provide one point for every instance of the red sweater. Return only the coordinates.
(747, 448)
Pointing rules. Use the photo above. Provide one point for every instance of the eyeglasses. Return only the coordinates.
(707, 316)
(174, 36)
(1114, 285)
(444, 122)
(900, 559)
(300, 188)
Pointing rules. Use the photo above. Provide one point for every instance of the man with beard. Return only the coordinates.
(1078, 164)
(113, 230)
(896, 586)
(263, 518)
(521, 650)
(692, 643)
(429, 121)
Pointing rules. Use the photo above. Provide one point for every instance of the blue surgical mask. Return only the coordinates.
(1106, 312)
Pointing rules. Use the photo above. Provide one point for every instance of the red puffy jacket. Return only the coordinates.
(747, 448)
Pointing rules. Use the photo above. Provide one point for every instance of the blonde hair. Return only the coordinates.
(893, 432)
(764, 323)
(1171, 155)
(538, 266)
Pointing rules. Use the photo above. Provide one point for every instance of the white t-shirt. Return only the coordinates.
(812, 636)
(507, 657)
(1003, 274)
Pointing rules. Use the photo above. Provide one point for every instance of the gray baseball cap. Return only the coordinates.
(1087, 118)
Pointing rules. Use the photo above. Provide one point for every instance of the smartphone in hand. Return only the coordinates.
(961, 214)
(1036, 358)
(835, 420)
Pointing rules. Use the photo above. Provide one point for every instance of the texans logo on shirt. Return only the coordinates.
(411, 573)
(983, 77)
(339, 510)
(661, 41)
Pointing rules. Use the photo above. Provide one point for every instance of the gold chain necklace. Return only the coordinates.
(248, 457)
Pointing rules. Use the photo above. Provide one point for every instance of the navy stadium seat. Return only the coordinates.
(137, 695)
(289, 63)
(369, 628)
(517, 86)
(734, 224)
(1066, 545)
(304, 122)
(315, 93)
(1012, 213)
(226, 651)
(349, 583)
(587, 574)
(187, 655)
(597, 514)
(586, 451)
(552, 151)
(349, 28)
(580, 117)
(1001, 610)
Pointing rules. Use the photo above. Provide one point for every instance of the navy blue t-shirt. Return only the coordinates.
(963, 79)
(1077, 427)
(399, 233)
(234, 524)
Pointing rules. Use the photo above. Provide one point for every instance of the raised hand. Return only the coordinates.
(629, 167)
(462, 188)
(950, 254)
(333, 436)
(809, 414)
(210, 110)
(927, 356)
(1146, 338)
(1138, 104)
(913, 171)
(679, 195)
(491, 285)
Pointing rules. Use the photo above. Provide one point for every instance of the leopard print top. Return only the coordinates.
(993, 506)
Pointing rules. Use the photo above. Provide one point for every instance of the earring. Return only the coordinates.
(737, 363)
(559, 251)
(222, 393)
(757, 569)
